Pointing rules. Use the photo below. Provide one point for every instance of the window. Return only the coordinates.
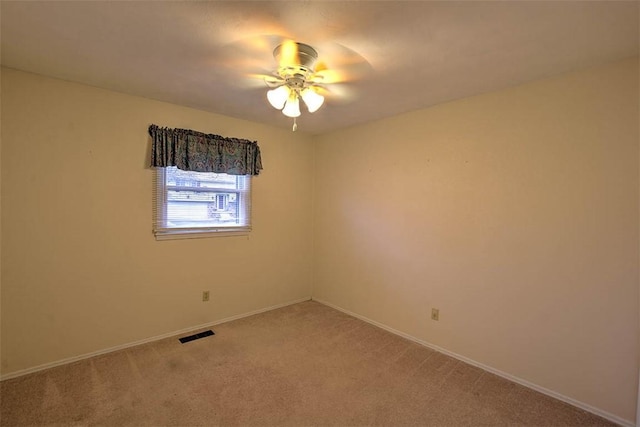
(200, 204)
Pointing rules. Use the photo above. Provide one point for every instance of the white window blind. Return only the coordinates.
(200, 204)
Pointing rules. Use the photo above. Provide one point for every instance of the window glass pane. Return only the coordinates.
(198, 199)
(187, 209)
(180, 178)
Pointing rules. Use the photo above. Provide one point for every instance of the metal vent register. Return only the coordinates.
(197, 336)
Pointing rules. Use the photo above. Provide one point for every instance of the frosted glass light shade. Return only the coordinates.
(292, 107)
(278, 96)
(313, 99)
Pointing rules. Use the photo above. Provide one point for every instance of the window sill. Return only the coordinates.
(200, 234)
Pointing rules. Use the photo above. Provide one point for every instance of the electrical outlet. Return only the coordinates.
(435, 314)
(205, 295)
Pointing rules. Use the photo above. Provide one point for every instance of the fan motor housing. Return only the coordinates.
(306, 55)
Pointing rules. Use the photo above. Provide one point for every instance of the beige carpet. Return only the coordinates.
(301, 365)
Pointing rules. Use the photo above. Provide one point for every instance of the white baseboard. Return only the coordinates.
(144, 341)
(566, 399)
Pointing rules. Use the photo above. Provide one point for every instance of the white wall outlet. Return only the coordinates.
(205, 295)
(435, 314)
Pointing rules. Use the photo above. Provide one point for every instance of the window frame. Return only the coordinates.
(163, 232)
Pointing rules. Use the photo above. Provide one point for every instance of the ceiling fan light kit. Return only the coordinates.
(278, 96)
(294, 79)
(292, 106)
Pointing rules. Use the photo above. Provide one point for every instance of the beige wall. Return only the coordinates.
(515, 213)
(81, 270)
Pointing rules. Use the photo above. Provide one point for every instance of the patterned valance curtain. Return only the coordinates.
(200, 152)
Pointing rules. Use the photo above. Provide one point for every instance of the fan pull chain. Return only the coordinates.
(295, 125)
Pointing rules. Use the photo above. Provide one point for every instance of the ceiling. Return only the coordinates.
(418, 53)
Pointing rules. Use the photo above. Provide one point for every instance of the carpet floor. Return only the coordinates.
(301, 365)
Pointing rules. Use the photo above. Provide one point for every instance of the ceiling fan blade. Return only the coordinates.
(337, 92)
(258, 80)
(341, 64)
(323, 74)
(250, 54)
(288, 54)
(328, 77)
(269, 78)
(321, 66)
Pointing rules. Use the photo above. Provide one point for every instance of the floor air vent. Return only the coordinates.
(197, 336)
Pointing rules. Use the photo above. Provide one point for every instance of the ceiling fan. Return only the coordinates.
(300, 75)
(295, 78)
